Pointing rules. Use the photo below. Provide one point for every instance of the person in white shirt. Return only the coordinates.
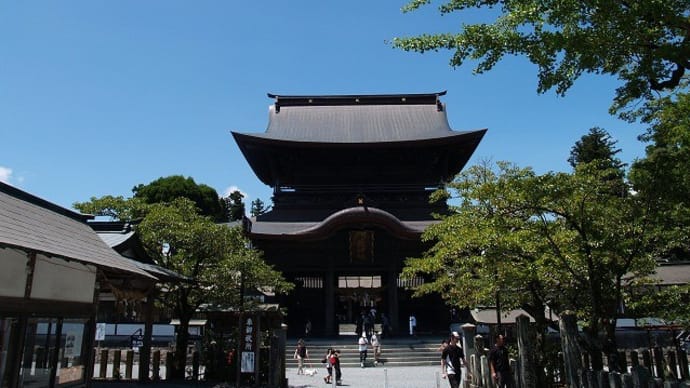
(363, 345)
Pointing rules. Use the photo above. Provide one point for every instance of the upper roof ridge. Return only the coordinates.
(358, 99)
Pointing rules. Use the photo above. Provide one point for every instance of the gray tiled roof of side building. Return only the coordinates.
(29, 222)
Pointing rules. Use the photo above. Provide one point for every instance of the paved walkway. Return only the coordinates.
(377, 377)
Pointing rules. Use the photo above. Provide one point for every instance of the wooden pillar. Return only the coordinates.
(393, 309)
(104, 363)
(145, 351)
(156, 361)
(571, 348)
(331, 328)
(56, 353)
(117, 357)
(129, 363)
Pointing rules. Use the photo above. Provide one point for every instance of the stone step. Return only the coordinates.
(395, 353)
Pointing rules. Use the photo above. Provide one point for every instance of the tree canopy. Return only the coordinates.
(166, 189)
(218, 260)
(558, 239)
(644, 43)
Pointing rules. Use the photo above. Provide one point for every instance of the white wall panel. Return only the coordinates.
(62, 280)
(12, 272)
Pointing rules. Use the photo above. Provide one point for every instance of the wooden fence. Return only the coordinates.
(653, 367)
(123, 364)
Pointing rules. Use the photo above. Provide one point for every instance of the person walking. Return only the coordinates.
(376, 345)
(413, 325)
(363, 345)
(301, 354)
(500, 364)
(452, 360)
(329, 366)
(336, 368)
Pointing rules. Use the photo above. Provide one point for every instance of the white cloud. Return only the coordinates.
(5, 174)
(229, 190)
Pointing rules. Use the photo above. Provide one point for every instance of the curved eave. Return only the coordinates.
(263, 152)
(354, 217)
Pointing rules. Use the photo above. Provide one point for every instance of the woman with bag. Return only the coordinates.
(301, 353)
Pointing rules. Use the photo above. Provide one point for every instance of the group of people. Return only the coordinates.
(453, 360)
(331, 360)
(332, 357)
(363, 347)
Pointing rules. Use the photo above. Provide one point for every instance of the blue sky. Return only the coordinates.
(99, 96)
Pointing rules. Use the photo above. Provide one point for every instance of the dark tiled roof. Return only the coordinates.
(115, 239)
(29, 222)
(357, 124)
(350, 215)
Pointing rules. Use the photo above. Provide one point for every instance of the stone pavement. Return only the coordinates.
(374, 377)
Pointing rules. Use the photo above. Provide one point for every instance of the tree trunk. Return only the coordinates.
(181, 348)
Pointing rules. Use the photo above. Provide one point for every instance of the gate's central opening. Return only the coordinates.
(355, 295)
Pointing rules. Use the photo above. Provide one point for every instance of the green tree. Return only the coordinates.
(166, 189)
(235, 205)
(599, 149)
(663, 175)
(645, 43)
(258, 208)
(117, 208)
(218, 259)
(558, 239)
(596, 145)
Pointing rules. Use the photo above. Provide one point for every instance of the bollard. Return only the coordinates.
(116, 364)
(438, 380)
(129, 363)
(104, 363)
(385, 377)
(156, 370)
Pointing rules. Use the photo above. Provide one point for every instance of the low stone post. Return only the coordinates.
(477, 366)
(571, 349)
(468, 343)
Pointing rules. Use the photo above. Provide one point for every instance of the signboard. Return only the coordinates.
(248, 348)
(137, 340)
(100, 331)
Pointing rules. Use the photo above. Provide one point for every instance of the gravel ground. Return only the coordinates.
(377, 377)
